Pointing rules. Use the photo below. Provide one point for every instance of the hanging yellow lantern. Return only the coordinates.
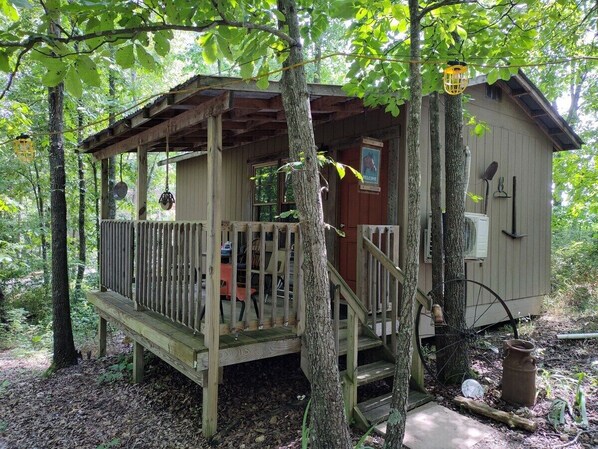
(23, 146)
(455, 78)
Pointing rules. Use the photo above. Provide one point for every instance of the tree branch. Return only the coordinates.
(440, 4)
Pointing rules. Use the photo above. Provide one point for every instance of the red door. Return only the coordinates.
(359, 207)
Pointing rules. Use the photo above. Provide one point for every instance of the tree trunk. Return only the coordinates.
(39, 199)
(64, 347)
(454, 299)
(436, 198)
(395, 430)
(81, 218)
(329, 423)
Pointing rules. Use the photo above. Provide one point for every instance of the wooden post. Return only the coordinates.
(141, 214)
(214, 223)
(102, 335)
(137, 363)
(103, 214)
(361, 284)
(350, 385)
(141, 183)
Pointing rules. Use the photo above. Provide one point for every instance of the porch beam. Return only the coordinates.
(212, 333)
(210, 108)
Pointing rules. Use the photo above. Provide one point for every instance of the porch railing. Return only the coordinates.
(162, 267)
(117, 256)
(376, 286)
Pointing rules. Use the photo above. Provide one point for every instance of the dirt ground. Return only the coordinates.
(261, 403)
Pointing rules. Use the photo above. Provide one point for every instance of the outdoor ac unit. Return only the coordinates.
(476, 231)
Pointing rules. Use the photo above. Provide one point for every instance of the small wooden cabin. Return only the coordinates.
(222, 283)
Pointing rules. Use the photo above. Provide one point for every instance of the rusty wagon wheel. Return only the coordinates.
(485, 310)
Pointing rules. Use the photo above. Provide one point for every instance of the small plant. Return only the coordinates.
(112, 443)
(4, 386)
(117, 371)
(3, 425)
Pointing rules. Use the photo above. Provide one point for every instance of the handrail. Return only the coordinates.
(351, 298)
(395, 271)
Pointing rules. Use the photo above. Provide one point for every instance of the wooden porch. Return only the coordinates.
(156, 278)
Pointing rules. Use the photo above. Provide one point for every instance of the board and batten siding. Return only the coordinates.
(518, 270)
(237, 165)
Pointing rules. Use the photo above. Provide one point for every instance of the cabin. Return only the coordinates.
(222, 283)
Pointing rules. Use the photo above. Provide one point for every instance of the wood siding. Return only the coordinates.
(516, 269)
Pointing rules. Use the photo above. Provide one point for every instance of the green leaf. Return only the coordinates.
(247, 69)
(9, 11)
(493, 76)
(54, 77)
(125, 57)
(161, 44)
(72, 83)
(210, 50)
(280, 16)
(4, 62)
(88, 71)
(145, 58)
(340, 169)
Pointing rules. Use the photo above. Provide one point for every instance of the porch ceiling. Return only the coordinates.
(254, 114)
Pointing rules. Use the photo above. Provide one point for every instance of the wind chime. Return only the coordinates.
(24, 149)
(120, 188)
(455, 78)
(167, 198)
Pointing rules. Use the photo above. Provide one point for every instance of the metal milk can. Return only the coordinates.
(519, 373)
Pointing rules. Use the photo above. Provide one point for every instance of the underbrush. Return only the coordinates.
(574, 273)
(27, 319)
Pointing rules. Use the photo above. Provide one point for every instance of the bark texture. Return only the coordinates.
(436, 198)
(454, 299)
(64, 347)
(329, 427)
(81, 217)
(395, 430)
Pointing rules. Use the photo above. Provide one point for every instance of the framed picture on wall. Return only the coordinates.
(370, 163)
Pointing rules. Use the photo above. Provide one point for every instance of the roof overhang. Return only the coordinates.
(538, 108)
(249, 114)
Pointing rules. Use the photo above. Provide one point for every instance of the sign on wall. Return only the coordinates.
(370, 164)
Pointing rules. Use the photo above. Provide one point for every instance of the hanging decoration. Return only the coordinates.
(121, 188)
(167, 198)
(24, 149)
(455, 78)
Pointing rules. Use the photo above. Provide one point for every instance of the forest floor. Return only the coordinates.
(261, 404)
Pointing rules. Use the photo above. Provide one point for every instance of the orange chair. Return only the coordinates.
(226, 275)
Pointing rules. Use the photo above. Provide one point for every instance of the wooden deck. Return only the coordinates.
(183, 348)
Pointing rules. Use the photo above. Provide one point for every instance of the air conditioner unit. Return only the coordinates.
(477, 227)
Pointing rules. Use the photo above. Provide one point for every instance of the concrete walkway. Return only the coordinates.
(433, 426)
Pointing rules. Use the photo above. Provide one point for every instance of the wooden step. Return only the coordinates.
(377, 409)
(364, 342)
(373, 372)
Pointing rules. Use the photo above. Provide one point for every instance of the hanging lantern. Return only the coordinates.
(23, 147)
(455, 78)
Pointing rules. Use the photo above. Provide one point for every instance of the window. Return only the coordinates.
(273, 192)
(493, 92)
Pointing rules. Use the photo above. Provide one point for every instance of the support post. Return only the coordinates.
(141, 183)
(102, 336)
(137, 363)
(212, 328)
(350, 385)
(103, 215)
(141, 214)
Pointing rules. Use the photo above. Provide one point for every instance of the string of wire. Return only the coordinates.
(233, 81)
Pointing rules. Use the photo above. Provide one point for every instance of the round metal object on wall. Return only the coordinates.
(120, 190)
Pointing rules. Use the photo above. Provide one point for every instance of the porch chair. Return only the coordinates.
(226, 275)
(279, 272)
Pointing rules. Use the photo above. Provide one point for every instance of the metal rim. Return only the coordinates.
(468, 336)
